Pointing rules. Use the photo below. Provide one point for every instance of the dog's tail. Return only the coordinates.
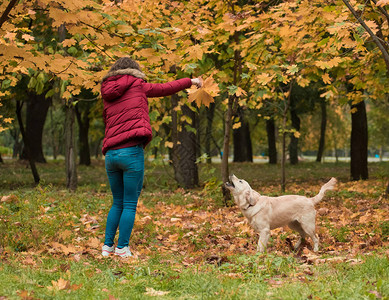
(328, 186)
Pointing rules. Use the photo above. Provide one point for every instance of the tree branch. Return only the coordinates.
(383, 10)
(373, 36)
(102, 50)
(4, 16)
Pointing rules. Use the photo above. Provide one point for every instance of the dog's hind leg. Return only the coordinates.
(263, 239)
(308, 225)
(295, 225)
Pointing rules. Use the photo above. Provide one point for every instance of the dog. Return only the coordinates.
(266, 213)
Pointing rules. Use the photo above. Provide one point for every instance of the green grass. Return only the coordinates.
(245, 277)
(49, 235)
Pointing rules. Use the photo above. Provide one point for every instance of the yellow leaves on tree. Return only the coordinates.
(195, 52)
(205, 94)
(329, 64)
(150, 55)
(326, 78)
(264, 78)
(69, 42)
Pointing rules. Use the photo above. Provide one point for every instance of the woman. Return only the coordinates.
(127, 132)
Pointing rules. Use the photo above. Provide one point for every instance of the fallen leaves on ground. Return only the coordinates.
(152, 292)
(350, 222)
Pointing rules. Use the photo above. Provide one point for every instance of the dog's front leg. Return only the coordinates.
(263, 239)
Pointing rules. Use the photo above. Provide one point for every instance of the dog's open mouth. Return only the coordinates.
(230, 184)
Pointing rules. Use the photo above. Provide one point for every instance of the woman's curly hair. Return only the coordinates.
(125, 63)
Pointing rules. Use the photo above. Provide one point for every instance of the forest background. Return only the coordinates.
(283, 77)
(284, 81)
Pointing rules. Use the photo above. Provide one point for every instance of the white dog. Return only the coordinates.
(266, 213)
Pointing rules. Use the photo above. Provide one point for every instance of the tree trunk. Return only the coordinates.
(271, 140)
(243, 151)
(359, 142)
(322, 130)
(184, 148)
(98, 148)
(283, 158)
(226, 146)
(52, 132)
(18, 144)
(237, 70)
(70, 148)
(287, 103)
(208, 131)
(82, 114)
(37, 108)
(293, 146)
(19, 106)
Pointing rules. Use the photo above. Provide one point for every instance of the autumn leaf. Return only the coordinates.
(236, 125)
(169, 144)
(66, 249)
(293, 69)
(61, 284)
(195, 52)
(264, 78)
(94, 243)
(9, 198)
(24, 295)
(149, 54)
(326, 78)
(152, 292)
(27, 37)
(69, 42)
(75, 287)
(205, 94)
(239, 92)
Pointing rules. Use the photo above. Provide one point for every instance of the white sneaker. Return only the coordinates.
(124, 252)
(106, 251)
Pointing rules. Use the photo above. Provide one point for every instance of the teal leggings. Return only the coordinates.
(125, 170)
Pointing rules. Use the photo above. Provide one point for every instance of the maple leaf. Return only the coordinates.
(151, 56)
(94, 243)
(27, 37)
(24, 295)
(293, 69)
(326, 78)
(61, 284)
(69, 42)
(264, 78)
(195, 52)
(10, 35)
(205, 94)
(239, 92)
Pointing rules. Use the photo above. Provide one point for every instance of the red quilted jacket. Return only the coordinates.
(126, 111)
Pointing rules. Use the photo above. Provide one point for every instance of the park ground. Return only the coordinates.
(188, 244)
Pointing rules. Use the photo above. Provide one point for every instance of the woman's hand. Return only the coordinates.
(198, 82)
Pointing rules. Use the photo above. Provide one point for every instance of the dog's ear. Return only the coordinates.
(250, 197)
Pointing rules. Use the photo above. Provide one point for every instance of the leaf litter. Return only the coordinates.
(349, 226)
